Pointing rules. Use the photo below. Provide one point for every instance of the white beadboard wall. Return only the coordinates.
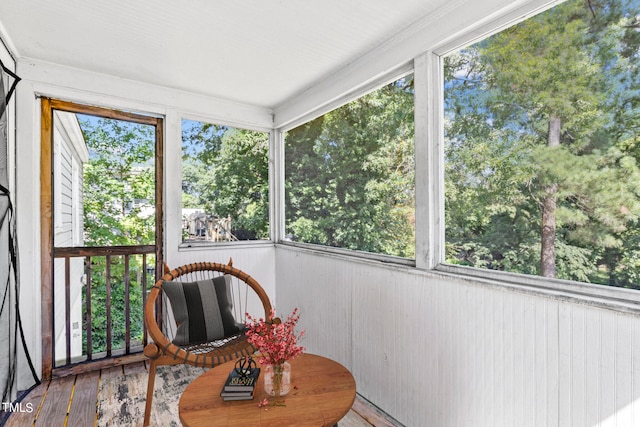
(257, 260)
(433, 351)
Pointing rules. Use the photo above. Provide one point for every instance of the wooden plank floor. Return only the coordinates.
(71, 401)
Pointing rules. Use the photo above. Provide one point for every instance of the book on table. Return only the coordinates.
(237, 395)
(238, 383)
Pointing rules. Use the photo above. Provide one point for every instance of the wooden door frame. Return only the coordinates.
(48, 106)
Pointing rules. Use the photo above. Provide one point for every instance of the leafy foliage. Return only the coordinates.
(119, 183)
(576, 66)
(350, 175)
(225, 172)
(117, 301)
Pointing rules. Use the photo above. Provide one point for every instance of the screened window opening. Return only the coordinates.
(116, 196)
(542, 146)
(225, 185)
(349, 175)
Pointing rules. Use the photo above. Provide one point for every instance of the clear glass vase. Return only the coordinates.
(277, 379)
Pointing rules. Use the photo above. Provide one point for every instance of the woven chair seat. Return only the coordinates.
(218, 345)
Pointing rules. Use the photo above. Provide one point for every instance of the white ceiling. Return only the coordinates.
(259, 52)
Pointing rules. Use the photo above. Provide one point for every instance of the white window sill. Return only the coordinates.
(207, 245)
(607, 297)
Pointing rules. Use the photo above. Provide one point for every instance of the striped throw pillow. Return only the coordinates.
(202, 310)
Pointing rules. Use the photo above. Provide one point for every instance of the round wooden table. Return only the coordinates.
(322, 392)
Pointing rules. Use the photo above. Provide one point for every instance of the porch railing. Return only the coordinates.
(99, 297)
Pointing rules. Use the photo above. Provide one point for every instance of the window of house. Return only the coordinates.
(542, 146)
(225, 184)
(349, 175)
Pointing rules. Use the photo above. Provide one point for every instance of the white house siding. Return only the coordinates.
(435, 351)
(62, 170)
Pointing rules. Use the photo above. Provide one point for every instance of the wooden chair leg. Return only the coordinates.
(150, 388)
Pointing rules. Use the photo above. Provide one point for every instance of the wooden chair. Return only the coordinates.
(247, 297)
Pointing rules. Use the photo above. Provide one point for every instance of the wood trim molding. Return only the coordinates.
(46, 235)
(159, 165)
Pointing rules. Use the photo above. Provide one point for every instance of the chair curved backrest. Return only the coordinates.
(247, 295)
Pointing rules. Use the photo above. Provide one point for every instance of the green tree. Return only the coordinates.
(242, 181)
(225, 172)
(531, 140)
(119, 183)
(350, 175)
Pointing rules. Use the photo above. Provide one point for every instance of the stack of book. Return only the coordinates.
(239, 387)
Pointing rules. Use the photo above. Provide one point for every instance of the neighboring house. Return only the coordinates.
(70, 153)
(198, 225)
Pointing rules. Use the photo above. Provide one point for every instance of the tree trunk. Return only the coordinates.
(548, 240)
